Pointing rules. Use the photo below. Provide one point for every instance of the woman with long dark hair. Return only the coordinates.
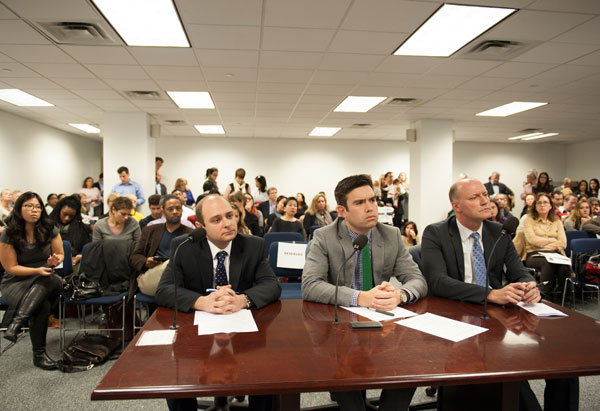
(260, 194)
(29, 249)
(210, 185)
(67, 218)
(543, 184)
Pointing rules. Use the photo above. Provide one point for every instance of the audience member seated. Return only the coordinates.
(187, 211)
(558, 202)
(260, 194)
(582, 189)
(249, 220)
(269, 206)
(137, 216)
(410, 234)
(111, 197)
(155, 210)
(592, 226)
(502, 202)
(544, 231)
(302, 207)
(318, 213)
(495, 187)
(593, 191)
(529, 185)
(210, 185)
(15, 196)
(119, 223)
(529, 199)
(29, 248)
(51, 201)
(238, 183)
(594, 206)
(566, 187)
(387, 188)
(67, 218)
(279, 211)
(250, 207)
(152, 251)
(569, 204)
(182, 185)
(288, 223)
(239, 220)
(495, 208)
(543, 185)
(128, 186)
(93, 198)
(579, 216)
(5, 203)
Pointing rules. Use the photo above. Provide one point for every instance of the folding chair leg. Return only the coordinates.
(565, 293)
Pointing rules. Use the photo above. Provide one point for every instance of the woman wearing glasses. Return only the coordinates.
(544, 231)
(29, 249)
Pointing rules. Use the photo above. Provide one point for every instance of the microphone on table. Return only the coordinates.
(358, 244)
(195, 236)
(508, 228)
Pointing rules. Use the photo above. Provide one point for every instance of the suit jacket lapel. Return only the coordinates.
(346, 245)
(204, 261)
(457, 245)
(377, 254)
(235, 263)
(488, 243)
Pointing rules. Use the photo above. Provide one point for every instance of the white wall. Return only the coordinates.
(583, 160)
(39, 158)
(306, 166)
(511, 160)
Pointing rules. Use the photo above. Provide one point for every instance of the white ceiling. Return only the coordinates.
(278, 68)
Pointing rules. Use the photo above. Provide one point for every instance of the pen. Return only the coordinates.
(543, 283)
(382, 312)
(212, 290)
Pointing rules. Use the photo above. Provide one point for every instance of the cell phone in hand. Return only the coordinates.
(159, 259)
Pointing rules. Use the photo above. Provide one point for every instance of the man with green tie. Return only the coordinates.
(365, 278)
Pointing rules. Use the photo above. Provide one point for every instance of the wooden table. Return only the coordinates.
(297, 349)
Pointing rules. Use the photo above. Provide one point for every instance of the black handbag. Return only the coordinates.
(87, 351)
(81, 288)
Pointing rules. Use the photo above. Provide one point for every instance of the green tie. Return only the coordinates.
(367, 269)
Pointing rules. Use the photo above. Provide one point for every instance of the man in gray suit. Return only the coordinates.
(365, 280)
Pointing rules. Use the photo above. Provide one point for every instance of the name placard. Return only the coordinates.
(291, 255)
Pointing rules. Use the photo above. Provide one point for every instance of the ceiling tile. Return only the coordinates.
(535, 25)
(36, 53)
(81, 84)
(146, 85)
(366, 42)
(338, 77)
(65, 10)
(26, 83)
(292, 39)
(16, 70)
(518, 70)
(327, 89)
(280, 88)
(6, 13)
(555, 53)
(463, 67)
(164, 56)
(5, 59)
(224, 37)
(487, 83)
(61, 70)
(592, 59)
(174, 73)
(582, 6)
(350, 62)
(388, 15)
(100, 54)
(306, 13)
(230, 74)
(98, 94)
(290, 60)
(19, 32)
(227, 58)
(588, 33)
(284, 76)
(232, 86)
(175, 85)
(117, 71)
(277, 98)
(110, 105)
(247, 12)
(408, 64)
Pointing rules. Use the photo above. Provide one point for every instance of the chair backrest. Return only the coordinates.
(282, 272)
(571, 235)
(583, 245)
(312, 229)
(415, 253)
(67, 262)
(275, 237)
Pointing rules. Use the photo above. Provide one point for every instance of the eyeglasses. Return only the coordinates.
(30, 207)
(543, 203)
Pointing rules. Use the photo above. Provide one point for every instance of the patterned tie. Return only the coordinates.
(478, 261)
(221, 274)
(367, 269)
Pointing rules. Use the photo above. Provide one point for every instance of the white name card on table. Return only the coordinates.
(442, 327)
(541, 310)
(156, 337)
(291, 255)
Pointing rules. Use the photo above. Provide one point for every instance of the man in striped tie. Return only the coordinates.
(365, 279)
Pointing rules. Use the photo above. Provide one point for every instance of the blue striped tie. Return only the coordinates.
(478, 261)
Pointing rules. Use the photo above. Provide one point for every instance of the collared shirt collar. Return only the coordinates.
(214, 249)
(466, 233)
(353, 235)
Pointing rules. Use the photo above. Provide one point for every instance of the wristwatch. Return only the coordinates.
(249, 302)
(403, 297)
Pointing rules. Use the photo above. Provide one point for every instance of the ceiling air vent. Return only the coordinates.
(400, 101)
(79, 33)
(530, 130)
(175, 122)
(144, 95)
(361, 125)
(496, 49)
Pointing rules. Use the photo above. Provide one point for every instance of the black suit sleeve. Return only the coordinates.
(265, 287)
(442, 279)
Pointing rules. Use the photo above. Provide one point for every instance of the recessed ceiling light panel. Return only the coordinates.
(510, 109)
(450, 28)
(22, 99)
(210, 129)
(192, 99)
(88, 128)
(324, 131)
(150, 23)
(540, 136)
(358, 104)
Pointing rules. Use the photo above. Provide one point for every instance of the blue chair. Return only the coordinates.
(289, 291)
(139, 300)
(581, 245)
(571, 235)
(67, 262)
(415, 253)
(275, 237)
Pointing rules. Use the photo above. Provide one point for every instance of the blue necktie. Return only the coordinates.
(221, 274)
(478, 261)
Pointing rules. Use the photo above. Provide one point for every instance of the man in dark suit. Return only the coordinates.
(455, 255)
(232, 263)
(268, 207)
(159, 188)
(494, 186)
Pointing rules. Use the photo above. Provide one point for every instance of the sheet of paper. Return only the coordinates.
(291, 255)
(239, 322)
(555, 258)
(157, 337)
(442, 327)
(398, 312)
(542, 310)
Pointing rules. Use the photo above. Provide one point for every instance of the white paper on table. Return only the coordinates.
(541, 310)
(556, 258)
(398, 312)
(442, 327)
(238, 322)
(157, 337)
(291, 255)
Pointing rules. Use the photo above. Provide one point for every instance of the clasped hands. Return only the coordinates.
(515, 293)
(222, 301)
(383, 297)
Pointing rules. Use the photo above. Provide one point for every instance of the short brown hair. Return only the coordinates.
(348, 184)
(122, 203)
(241, 173)
(237, 196)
